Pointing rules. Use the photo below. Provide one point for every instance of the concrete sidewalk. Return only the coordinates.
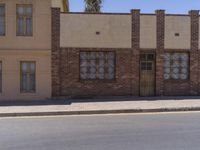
(126, 105)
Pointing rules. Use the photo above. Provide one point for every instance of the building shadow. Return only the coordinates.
(130, 98)
(89, 99)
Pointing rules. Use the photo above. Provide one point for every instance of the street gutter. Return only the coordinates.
(93, 112)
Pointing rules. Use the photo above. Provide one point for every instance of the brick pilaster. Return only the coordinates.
(55, 55)
(135, 52)
(160, 22)
(194, 57)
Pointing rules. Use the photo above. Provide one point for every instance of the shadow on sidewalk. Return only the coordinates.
(69, 101)
(130, 98)
(34, 103)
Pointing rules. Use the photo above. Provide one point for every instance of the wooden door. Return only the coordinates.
(147, 74)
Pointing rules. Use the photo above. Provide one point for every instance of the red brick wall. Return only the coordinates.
(194, 58)
(135, 53)
(160, 22)
(65, 67)
(55, 54)
(176, 88)
(65, 64)
(71, 85)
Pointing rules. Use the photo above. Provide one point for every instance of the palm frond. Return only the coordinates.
(93, 5)
(66, 5)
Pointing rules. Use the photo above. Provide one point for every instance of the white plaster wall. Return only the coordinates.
(11, 74)
(181, 25)
(79, 30)
(41, 38)
(147, 31)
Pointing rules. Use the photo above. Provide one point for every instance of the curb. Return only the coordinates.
(93, 112)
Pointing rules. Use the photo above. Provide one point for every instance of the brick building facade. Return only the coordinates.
(129, 54)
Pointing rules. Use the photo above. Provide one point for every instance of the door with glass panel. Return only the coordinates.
(147, 74)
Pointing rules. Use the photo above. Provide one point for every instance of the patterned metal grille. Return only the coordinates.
(176, 66)
(97, 65)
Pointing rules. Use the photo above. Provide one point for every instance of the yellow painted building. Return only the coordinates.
(25, 49)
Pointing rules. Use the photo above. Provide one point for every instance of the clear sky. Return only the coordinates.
(146, 6)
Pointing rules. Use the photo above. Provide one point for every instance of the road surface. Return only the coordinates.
(168, 131)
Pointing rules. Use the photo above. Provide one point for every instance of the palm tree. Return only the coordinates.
(93, 5)
(66, 5)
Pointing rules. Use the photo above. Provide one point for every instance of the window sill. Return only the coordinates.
(25, 36)
(178, 80)
(97, 81)
(27, 93)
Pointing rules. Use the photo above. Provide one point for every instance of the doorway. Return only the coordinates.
(147, 74)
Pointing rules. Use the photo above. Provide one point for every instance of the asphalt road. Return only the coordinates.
(172, 131)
